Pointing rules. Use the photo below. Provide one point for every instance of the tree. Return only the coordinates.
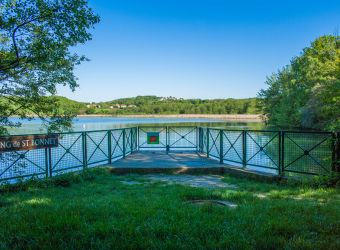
(36, 37)
(306, 93)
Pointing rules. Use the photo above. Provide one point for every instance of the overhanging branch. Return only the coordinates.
(15, 63)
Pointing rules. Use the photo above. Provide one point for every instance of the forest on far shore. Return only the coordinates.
(155, 105)
(160, 105)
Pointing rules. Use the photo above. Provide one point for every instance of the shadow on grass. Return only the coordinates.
(99, 212)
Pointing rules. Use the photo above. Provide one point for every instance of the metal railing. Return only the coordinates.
(277, 152)
(75, 151)
(170, 138)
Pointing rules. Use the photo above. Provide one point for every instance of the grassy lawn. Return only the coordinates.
(100, 212)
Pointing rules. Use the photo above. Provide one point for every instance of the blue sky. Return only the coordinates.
(195, 49)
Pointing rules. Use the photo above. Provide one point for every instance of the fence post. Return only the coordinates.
(283, 153)
(84, 150)
(46, 162)
(336, 152)
(244, 148)
(208, 135)
(221, 146)
(50, 161)
(109, 146)
(200, 139)
(124, 146)
(167, 139)
(197, 139)
(137, 139)
(280, 154)
(131, 141)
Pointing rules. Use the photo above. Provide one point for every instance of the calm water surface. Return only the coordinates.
(103, 123)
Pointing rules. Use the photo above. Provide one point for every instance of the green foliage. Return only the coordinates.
(321, 181)
(67, 105)
(64, 180)
(306, 93)
(171, 105)
(35, 57)
(150, 105)
(104, 213)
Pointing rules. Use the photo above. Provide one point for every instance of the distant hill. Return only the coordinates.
(172, 105)
(151, 105)
(64, 104)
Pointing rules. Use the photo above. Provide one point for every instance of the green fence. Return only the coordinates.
(170, 137)
(75, 151)
(277, 152)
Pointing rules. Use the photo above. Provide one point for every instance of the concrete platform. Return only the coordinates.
(176, 162)
(161, 162)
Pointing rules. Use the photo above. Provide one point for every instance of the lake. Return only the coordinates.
(262, 149)
(103, 123)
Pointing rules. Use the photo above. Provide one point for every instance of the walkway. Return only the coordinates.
(177, 162)
(161, 162)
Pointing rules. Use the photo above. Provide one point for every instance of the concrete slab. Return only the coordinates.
(181, 162)
(160, 159)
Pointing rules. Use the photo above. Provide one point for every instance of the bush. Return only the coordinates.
(331, 181)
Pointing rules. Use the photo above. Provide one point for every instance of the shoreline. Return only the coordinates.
(257, 117)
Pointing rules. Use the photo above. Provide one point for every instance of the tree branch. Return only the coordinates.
(16, 62)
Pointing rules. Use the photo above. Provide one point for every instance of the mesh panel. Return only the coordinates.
(262, 149)
(232, 147)
(128, 141)
(143, 137)
(214, 143)
(20, 164)
(116, 143)
(97, 148)
(182, 137)
(68, 156)
(307, 152)
(204, 137)
(134, 139)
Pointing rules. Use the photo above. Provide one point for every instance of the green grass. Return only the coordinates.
(99, 212)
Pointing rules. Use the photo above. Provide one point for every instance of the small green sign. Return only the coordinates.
(152, 137)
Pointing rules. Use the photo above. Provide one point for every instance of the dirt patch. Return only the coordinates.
(261, 196)
(205, 181)
(219, 203)
(131, 182)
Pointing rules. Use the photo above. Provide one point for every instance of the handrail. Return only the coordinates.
(179, 126)
(280, 150)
